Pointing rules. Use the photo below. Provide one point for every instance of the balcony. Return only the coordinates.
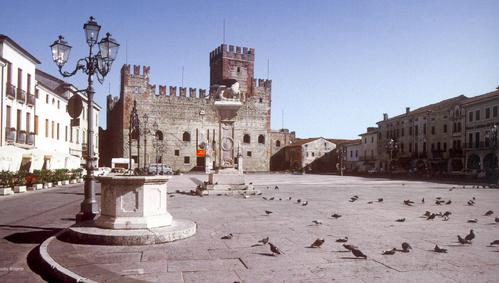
(10, 134)
(11, 91)
(419, 155)
(31, 99)
(437, 154)
(456, 152)
(31, 138)
(367, 158)
(21, 95)
(478, 146)
(21, 137)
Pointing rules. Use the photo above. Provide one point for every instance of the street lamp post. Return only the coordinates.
(391, 146)
(93, 65)
(145, 132)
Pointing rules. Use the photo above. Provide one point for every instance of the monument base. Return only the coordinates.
(227, 181)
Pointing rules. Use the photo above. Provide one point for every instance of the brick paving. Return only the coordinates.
(372, 227)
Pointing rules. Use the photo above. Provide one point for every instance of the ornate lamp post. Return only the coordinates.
(92, 65)
(390, 147)
(145, 132)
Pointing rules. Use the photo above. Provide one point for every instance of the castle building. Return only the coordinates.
(187, 120)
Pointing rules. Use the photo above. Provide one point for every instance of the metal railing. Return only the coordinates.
(11, 91)
(31, 99)
(10, 134)
(21, 95)
(21, 136)
(31, 139)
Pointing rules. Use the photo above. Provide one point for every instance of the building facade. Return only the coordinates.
(308, 154)
(369, 150)
(34, 123)
(187, 119)
(480, 118)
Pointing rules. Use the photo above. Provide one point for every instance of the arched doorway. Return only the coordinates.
(473, 162)
(490, 161)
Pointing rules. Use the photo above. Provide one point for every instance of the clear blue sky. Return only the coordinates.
(336, 66)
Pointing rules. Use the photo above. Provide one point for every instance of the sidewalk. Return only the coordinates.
(372, 227)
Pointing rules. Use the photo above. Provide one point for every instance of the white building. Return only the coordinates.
(369, 150)
(35, 129)
(308, 153)
(352, 158)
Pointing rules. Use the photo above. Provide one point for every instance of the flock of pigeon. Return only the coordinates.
(405, 247)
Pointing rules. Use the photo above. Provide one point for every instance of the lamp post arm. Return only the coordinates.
(80, 65)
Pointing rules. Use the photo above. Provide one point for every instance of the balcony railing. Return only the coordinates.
(367, 158)
(21, 95)
(456, 152)
(10, 134)
(11, 91)
(31, 99)
(31, 138)
(21, 136)
(479, 145)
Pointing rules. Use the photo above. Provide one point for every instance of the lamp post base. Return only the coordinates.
(89, 211)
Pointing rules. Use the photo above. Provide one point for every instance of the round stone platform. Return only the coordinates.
(87, 233)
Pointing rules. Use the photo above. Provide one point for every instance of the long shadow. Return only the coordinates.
(31, 237)
(33, 260)
(75, 193)
(196, 181)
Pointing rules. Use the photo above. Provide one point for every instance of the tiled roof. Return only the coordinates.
(483, 97)
(54, 84)
(431, 107)
(18, 47)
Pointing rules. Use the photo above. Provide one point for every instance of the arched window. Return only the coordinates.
(159, 135)
(261, 139)
(186, 137)
(278, 143)
(246, 138)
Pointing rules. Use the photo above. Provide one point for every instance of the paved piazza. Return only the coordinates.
(207, 258)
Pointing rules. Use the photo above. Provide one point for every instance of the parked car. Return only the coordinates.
(158, 168)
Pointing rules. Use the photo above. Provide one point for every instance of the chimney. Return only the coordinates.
(385, 116)
(407, 110)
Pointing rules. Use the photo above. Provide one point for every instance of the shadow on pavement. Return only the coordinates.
(31, 237)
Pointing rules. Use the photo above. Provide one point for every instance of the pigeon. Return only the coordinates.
(268, 212)
(408, 202)
(470, 236)
(439, 202)
(275, 250)
(289, 198)
(304, 203)
(342, 240)
(265, 198)
(427, 213)
(422, 201)
(317, 243)
(280, 198)
(488, 213)
(400, 220)
(448, 202)
(437, 249)
(497, 220)
(369, 202)
(471, 203)
(358, 253)
(473, 198)
(495, 242)
(439, 198)
(317, 222)
(298, 200)
(272, 198)
(336, 215)
(380, 200)
(406, 247)
(349, 247)
(259, 194)
(276, 188)
(473, 220)
(389, 252)
(246, 196)
(447, 213)
(227, 237)
(462, 241)
(264, 240)
(431, 217)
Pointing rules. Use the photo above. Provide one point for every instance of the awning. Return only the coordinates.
(37, 158)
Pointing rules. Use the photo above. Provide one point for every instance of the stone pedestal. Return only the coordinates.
(133, 212)
(6, 191)
(133, 202)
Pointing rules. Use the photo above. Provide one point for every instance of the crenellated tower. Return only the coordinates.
(233, 62)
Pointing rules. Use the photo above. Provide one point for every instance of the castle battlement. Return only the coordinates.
(182, 91)
(261, 83)
(125, 70)
(234, 52)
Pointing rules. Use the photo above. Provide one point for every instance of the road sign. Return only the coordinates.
(200, 153)
(75, 106)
